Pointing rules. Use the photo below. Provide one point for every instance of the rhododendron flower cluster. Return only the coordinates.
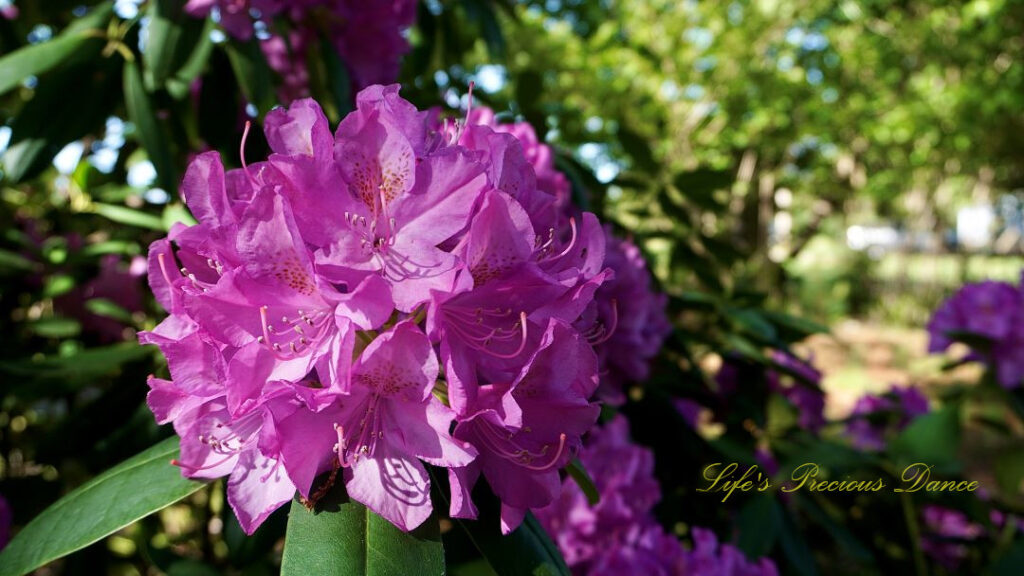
(619, 534)
(803, 391)
(875, 416)
(627, 308)
(989, 316)
(362, 303)
(945, 535)
(369, 36)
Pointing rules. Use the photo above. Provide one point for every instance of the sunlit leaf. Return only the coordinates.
(131, 490)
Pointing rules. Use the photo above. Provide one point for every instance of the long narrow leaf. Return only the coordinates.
(134, 489)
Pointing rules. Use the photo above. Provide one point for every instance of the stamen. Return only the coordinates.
(518, 454)
(572, 241)
(522, 344)
(241, 153)
(555, 457)
(608, 332)
(163, 269)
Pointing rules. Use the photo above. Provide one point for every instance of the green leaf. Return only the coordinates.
(753, 323)
(140, 112)
(932, 439)
(194, 64)
(638, 148)
(350, 539)
(175, 213)
(1009, 472)
(703, 181)
(129, 216)
(482, 13)
(338, 81)
(583, 480)
(62, 372)
(36, 59)
(527, 550)
(793, 544)
(46, 123)
(108, 309)
(758, 525)
(134, 489)
(801, 326)
(164, 34)
(56, 327)
(252, 73)
(1009, 563)
(58, 284)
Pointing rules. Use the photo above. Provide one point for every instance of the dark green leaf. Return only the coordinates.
(86, 364)
(165, 31)
(527, 550)
(349, 539)
(638, 148)
(195, 62)
(579, 475)
(797, 552)
(932, 438)
(108, 309)
(758, 526)
(36, 59)
(338, 81)
(131, 490)
(753, 323)
(129, 216)
(1009, 472)
(46, 123)
(252, 73)
(801, 326)
(13, 262)
(1010, 562)
(56, 327)
(141, 113)
(702, 181)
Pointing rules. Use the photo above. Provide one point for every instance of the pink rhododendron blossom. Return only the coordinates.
(369, 37)
(876, 416)
(626, 320)
(619, 534)
(946, 534)
(363, 304)
(988, 316)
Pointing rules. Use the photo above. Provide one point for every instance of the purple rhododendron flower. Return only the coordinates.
(619, 534)
(875, 416)
(632, 316)
(370, 301)
(117, 283)
(368, 36)
(946, 532)
(993, 312)
(626, 320)
(708, 558)
(806, 395)
(236, 16)
(6, 519)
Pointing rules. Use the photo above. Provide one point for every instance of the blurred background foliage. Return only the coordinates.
(785, 166)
